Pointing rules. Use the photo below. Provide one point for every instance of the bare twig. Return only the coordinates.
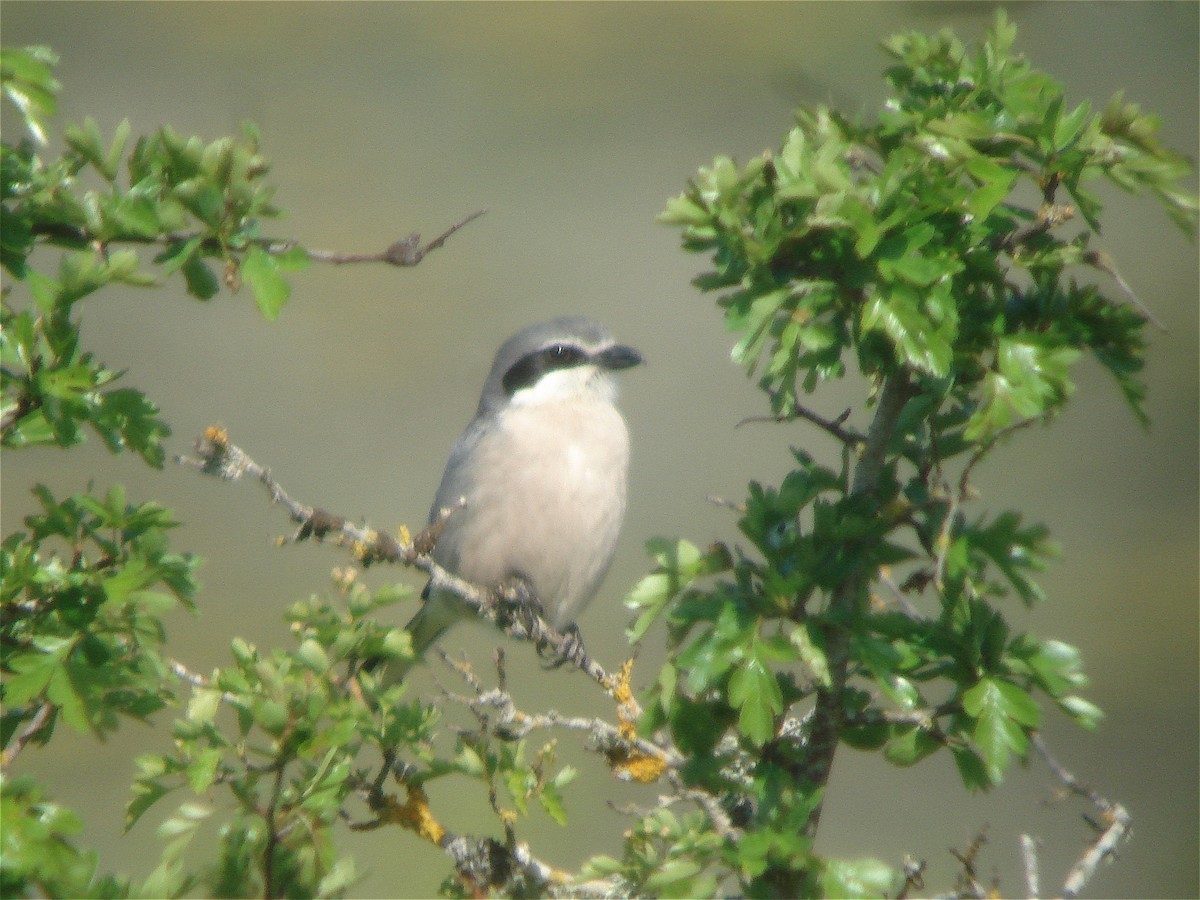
(739, 508)
(405, 252)
(40, 720)
(185, 674)
(1115, 825)
(710, 804)
(485, 865)
(1029, 858)
(988, 446)
(969, 884)
(925, 717)
(832, 426)
(906, 605)
(1102, 261)
(272, 834)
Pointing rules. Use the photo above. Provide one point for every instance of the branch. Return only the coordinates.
(828, 713)
(1029, 858)
(1116, 823)
(925, 717)
(405, 252)
(508, 607)
(832, 426)
(481, 863)
(35, 725)
(1102, 261)
(619, 743)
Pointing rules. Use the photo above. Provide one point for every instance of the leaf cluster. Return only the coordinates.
(866, 608)
(912, 242)
(84, 586)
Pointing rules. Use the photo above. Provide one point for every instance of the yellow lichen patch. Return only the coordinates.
(621, 690)
(414, 814)
(627, 763)
(364, 550)
(217, 434)
(634, 766)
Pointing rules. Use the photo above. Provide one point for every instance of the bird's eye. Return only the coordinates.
(529, 368)
(562, 355)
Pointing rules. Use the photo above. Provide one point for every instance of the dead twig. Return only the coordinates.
(832, 426)
(1114, 826)
(405, 252)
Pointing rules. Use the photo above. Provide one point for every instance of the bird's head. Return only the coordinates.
(570, 358)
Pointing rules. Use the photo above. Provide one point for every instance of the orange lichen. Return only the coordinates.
(626, 762)
(415, 815)
(217, 434)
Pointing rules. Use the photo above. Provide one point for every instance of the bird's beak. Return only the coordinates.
(619, 356)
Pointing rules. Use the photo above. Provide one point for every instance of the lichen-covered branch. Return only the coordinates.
(216, 455)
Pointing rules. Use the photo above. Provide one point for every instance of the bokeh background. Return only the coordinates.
(572, 124)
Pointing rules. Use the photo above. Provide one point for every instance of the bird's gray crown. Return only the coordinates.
(557, 344)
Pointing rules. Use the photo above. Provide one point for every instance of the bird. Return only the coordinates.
(536, 484)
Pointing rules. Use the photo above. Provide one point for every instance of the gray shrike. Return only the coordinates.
(542, 468)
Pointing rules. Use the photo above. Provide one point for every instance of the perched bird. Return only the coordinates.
(542, 469)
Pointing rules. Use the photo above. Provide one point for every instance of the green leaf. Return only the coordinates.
(683, 210)
(809, 640)
(202, 708)
(911, 745)
(1082, 711)
(975, 776)
(995, 183)
(551, 801)
(62, 691)
(261, 272)
(27, 75)
(671, 872)
(312, 655)
(1029, 380)
(1002, 710)
(341, 876)
(857, 878)
(34, 671)
(146, 792)
(112, 159)
(201, 282)
(203, 770)
(754, 691)
(896, 312)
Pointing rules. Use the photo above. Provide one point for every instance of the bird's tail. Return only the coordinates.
(437, 613)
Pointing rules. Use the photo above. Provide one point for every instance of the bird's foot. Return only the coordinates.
(569, 650)
(519, 607)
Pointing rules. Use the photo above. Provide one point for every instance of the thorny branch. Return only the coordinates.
(507, 607)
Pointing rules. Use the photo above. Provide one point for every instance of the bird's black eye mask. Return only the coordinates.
(532, 366)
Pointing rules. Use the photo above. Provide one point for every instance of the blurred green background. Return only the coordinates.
(571, 124)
